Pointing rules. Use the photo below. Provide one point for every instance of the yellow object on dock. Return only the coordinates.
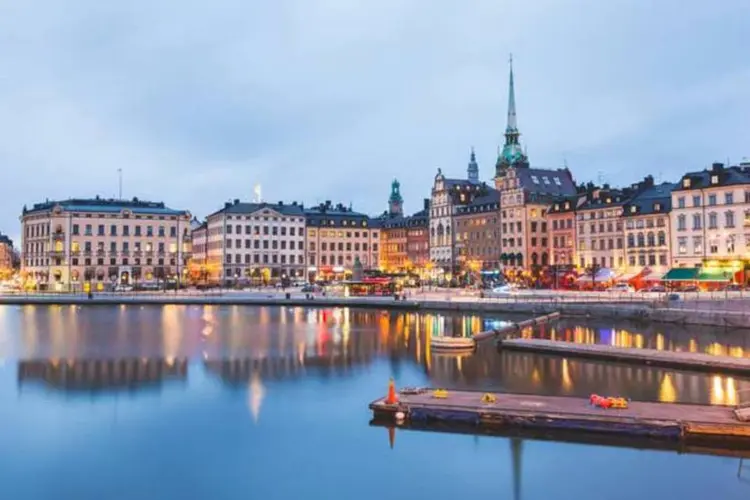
(488, 398)
(440, 394)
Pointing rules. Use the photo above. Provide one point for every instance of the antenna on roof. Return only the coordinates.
(119, 175)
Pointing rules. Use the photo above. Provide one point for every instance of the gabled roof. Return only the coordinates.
(731, 176)
(329, 215)
(654, 200)
(485, 203)
(238, 207)
(102, 205)
(566, 203)
(546, 182)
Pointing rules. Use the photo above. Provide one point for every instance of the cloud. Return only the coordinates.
(319, 100)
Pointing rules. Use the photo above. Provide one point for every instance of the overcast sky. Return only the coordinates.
(197, 101)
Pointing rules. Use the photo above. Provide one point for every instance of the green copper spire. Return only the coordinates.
(512, 154)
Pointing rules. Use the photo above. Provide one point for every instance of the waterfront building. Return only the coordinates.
(600, 229)
(404, 242)
(447, 195)
(562, 227)
(710, 219)
(647, 230)
(6, 257)
(525, 196)
(336, 237)
(477, 230)
(254, 243)
(68, 242)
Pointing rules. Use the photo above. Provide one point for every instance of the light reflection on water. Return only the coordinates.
(244, 386)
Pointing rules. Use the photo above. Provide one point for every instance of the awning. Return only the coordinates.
(715, 274)
(654, 273)
(681, 274)
(604, 274)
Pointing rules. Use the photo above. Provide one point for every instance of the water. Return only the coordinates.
(235, 402)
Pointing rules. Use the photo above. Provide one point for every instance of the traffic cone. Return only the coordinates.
(391, 399)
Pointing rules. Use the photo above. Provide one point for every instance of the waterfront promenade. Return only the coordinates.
(719, 309)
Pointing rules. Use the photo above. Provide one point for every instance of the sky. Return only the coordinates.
(198, 101)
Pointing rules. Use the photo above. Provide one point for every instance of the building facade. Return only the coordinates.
(600, 230)
(447, 195)
(337, 237)
(65, 243)
(257, 243)
(710, 217)
(561, 224)
(647, 230)
(6, 257)
(477, 230)
(525, 196)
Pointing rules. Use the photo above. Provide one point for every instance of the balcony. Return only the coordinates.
(56, 253)
(125, 253)
(58, 236)
(100, 253)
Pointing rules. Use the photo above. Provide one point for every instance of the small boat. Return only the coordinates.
(453, 343)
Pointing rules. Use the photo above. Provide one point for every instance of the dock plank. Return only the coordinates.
(667, 359)
(666, 420)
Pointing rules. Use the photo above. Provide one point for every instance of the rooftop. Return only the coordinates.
(240, 207)
(110, 205)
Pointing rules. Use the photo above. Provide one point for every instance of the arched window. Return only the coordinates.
(662, 237)
(640, 239)
(631, 240)
(650, 239)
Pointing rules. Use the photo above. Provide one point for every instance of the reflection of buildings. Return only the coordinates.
(101, 373)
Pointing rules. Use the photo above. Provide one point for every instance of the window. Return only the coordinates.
(696, 221)
(729, 219)
(682, 245)
(534, 179)
(686, 183)
(545, 179)
(662, 238)
(730, 244)
(714, 179)
(697, 244)
(75, 229)
(557, 181)
(681, 225)
(728, 198)
(711, 200)
(137, 230)
(696, 201)
(681, 202)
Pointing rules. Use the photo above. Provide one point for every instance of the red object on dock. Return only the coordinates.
(392, 399)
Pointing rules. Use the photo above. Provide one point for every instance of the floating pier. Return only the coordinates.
(667, 359)
(512, 328)
(499, 411)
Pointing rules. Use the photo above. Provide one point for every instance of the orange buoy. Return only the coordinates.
(391, 399)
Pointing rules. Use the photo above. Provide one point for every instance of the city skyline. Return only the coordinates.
(198, 106)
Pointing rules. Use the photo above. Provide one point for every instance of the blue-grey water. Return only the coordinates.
(242, 402)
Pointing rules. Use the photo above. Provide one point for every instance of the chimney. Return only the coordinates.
(227, 204)
(236, 201)
(426, 203)
(717, 167)
(281, 203)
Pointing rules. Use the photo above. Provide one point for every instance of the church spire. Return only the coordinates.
(472, 170)
(512, 154)
(512, 124)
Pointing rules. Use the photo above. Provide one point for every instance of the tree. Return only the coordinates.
(592, 271)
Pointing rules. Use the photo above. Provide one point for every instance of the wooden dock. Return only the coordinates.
(669, 421)
(667, 359)
(513, 328)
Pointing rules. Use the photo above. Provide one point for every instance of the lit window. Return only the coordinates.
(714, 179)
(632, 209)
(686, 183)
(534, 179)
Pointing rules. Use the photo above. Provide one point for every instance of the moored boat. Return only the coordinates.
(453, 343)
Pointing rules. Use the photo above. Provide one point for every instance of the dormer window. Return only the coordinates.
(567, 204)
(657, 207)
(633, 209)
(609, 200)
(545, 179)
(535, 179)
(714, 179)
(557, 181)
(686, 182)
(557, 207)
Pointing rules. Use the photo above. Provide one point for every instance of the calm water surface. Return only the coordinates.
(243, 402)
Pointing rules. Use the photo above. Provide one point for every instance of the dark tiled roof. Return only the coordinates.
(238, 207)
(646, 202)
(328, 215)
(418, 219)
(5, 240)
(730, 176)
(565, 204)
(484, 203)
(135, 205)
(607, 198)
(542, 182)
